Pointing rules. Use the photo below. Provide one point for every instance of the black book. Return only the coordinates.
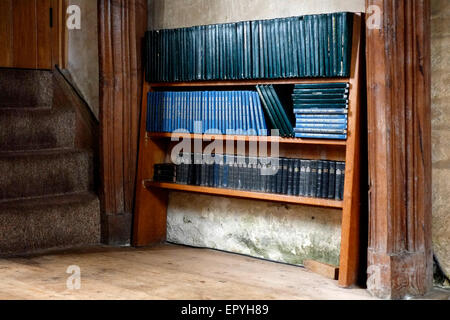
(313, 179)
(290, 179)
(203, 174)
(307, 183)
(339, 177)
(285, 177)
(275, 165)
(325, 179)
(331, 180)
(341, 187)
(296, 177)
(198, 168)
(319, 179)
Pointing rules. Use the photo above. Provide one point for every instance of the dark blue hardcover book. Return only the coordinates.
(239, 50)
(301, 106)
(302, 178)
(308, 57)
(273, 58)
(314, 121)
(290, 177)
(246, 113)
(281, 47)
(255, 63)
(249, 49)
(241, 112)
(299, 96)
(261, 50)
(340, 171)
(253, 122)
(217, 113)
(149, 120)
(292, 47)
(311, 45)
(315, 21)
(303, 67)
(331, 126)
(335, 85)
(204, 97)
(282, 111)
(322, 91)
(164, 111)
(180, 98)
(276, 47)
(211, 111)
(190, 105)
(321, 117)
(340, 102)
(321, 136)
(320, 110)
(226, 111)
(265, 39)
(262, 127)
(200, 112)
(257, 127)
(308, 180)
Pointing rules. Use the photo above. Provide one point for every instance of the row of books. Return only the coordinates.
(239, 112)
(321, 110)
(275, 110)
(307, 46)
(294, 177)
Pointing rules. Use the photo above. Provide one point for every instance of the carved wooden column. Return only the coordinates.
(399, 101)
(122, 24)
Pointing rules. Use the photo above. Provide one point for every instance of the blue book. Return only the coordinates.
(262, 120)
(233, 110)
(321, 136)
(320, 111)
(198, 111)
(320, 121)
(189, 101)
(253, 121)
(222, 112)
(149, 120)
(173, 111)
(320, 130)
(205, 111)
(321, 116)
(302, 125)
(165, 111)
(245, 113)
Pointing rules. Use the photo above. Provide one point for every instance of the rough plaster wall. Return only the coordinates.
(186, 13)
(440, 93)
(83, 54)
(285, 233)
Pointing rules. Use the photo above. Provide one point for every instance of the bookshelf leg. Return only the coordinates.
(150, 217)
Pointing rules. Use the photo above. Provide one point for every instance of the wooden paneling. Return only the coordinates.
(25, 34)
(122, 25)
(399, 103)
(6, 20)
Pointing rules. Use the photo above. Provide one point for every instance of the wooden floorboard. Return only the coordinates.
(163, 272)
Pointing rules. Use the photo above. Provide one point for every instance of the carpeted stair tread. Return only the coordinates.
(38, 173)
(25, 88)
(33, 129)
(49, 222)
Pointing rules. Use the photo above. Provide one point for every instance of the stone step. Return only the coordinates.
(34, 129)
(31, 225)
(40, 173)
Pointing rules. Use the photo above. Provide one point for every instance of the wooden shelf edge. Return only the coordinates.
(164, 135)
(218, 83)
(246, 194)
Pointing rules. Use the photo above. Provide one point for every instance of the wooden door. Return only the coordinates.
(26, 34)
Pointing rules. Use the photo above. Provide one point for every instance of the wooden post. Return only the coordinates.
(399, 138)
(122, 25)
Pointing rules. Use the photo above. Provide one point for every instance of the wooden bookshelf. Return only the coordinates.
(247, 194)
(228, 83)
(150, 214)
(268, 139)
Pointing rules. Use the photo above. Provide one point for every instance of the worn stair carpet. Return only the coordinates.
(46, 184)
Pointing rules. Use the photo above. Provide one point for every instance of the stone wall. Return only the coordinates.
(440, 94)
(285, 233)
(83, 54)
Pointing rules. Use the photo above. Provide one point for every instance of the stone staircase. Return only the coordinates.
(46, 184)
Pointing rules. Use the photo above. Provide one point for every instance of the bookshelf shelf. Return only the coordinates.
(246, 194)
(163, 135)
(219, 83)
(150, 215)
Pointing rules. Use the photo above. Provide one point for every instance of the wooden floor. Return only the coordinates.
(163, 272)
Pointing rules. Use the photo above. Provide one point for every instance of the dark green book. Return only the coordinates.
(255, 62)
(303, 66)
(239, 50)
(347, 43)
(316, 47)
(281, 50)
(284, 131)
(294, 40)
(287, 123)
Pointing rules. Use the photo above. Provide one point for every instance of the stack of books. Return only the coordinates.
(321, 110)
(164, 172)
(307, 46)
(213, 112)
(275, 110)
(293, 177)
